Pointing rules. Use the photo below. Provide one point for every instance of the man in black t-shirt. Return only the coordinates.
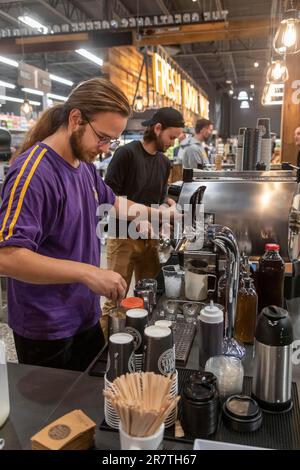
(140, 171)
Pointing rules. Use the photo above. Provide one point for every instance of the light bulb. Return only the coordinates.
(26, 108)
(277, 71)
(290, 36)
(139, 105)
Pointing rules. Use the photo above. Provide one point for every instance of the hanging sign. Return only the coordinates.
(167, 81)
(33, 77)
(170, 83)
(157, 21)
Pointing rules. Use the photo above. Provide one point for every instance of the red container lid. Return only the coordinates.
(132, 302)
(272, 247)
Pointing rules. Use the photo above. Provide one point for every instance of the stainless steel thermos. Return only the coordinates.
(272, 379)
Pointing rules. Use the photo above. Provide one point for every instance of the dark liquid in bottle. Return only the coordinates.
(271, 280)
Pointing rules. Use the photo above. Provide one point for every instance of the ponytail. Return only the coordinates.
(91, 97)
(47, 124)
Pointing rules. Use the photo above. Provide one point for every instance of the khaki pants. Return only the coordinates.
(128, 256)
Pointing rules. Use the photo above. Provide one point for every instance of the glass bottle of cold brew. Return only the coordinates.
(270, 278)
(246, 312)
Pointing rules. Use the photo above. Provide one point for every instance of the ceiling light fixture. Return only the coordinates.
(287, 37)
(272, 94)
(57, 97)
(26, 108)
(18, 100)
(252, 86)
(88, 55)
(256, 64)
(55, 78)
(230, 92)
(139, 104)
(32, 91)
(229, 82)
(7, 85)
(277, 72)
(243, 95)
(244, 105)
(7, 61)
(29, 21)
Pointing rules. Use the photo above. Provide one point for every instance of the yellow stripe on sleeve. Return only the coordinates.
(23, 192)
(13, 191)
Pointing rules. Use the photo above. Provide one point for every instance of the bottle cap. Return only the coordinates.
(272, 247)
(211, 314)
(132, 302)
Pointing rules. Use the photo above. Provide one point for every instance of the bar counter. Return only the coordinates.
(40, 395)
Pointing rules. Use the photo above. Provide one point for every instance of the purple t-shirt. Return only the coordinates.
(50, 207)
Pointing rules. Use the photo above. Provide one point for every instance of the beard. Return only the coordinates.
(160, 145)
(79, 152)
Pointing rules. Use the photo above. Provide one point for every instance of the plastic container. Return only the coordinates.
(270, 278)
(229, 372)
(211, 326)
(4, 392)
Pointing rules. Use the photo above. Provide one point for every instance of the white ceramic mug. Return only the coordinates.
(153, 442)
(196, 285)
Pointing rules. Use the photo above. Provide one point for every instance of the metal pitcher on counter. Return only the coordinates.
(272, 378)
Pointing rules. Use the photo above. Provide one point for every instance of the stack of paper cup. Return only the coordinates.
(171, 419)
(110, 414)
(264, 125)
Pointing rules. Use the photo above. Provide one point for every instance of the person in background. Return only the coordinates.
(297, 142)
(183, 140)
(196, 152)
(140, 171)
(49, 248)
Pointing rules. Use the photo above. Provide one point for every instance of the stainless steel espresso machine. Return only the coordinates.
(255, 206)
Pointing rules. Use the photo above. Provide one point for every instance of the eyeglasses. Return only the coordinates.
(103, 139)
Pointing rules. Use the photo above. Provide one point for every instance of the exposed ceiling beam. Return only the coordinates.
(64, 42)
(233, 68)
(208, 80)
(165, 11)
(213, 54)
(10, 18)
(162, 6)
(207, 32)
(54, 11)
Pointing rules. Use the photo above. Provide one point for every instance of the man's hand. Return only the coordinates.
(145, 229)
(172, 212)
(106, 282)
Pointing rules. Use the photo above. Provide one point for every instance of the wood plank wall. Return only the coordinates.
(123, 67)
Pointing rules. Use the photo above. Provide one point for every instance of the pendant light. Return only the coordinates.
(26, 109)
(243, 95)
(244, 105)
(139, 104)
(277, 72)
(287, 37)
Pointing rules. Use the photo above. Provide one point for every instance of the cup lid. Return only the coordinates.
(199, 392)
(132, 302)
(155, 331)
(121, 338)
(202, 377)
(242, 413)
(137, 313)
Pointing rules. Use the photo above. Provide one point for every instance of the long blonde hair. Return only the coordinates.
(91, 97)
